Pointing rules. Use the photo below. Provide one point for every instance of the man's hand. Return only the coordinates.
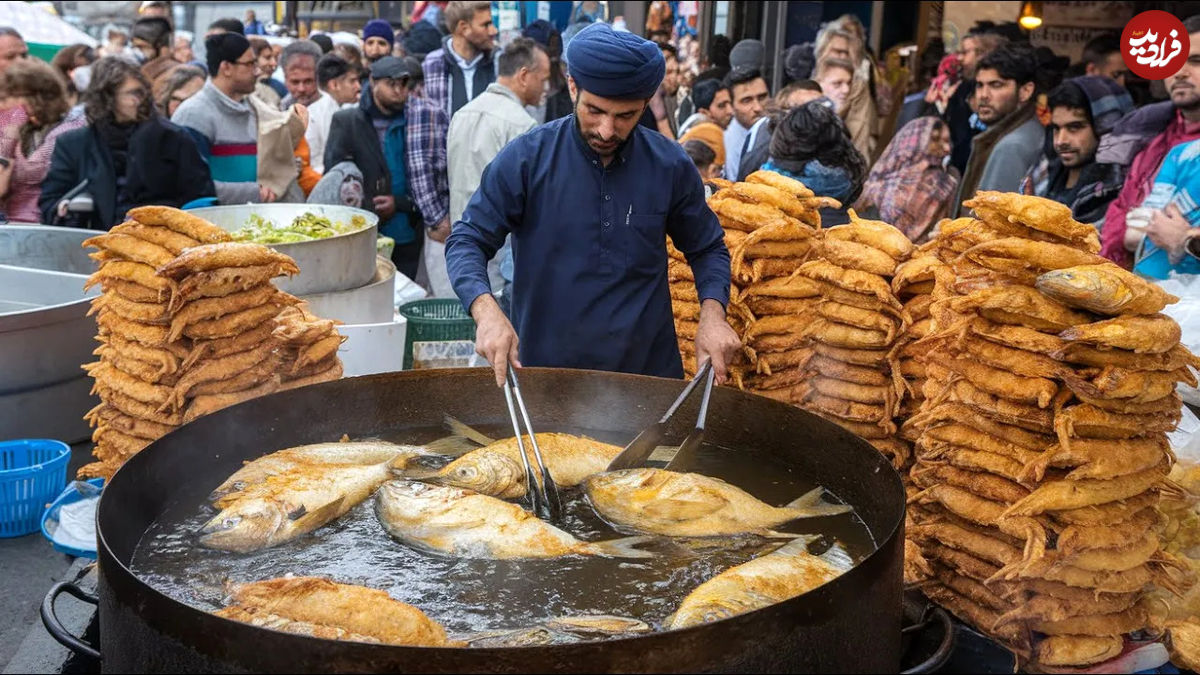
(385, 206)
(715, 339)
(442, 232)
(301, 112)
(1169, 230)
(495, 338)
(265, 194)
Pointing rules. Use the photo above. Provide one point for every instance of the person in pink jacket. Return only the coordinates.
(1146, 135)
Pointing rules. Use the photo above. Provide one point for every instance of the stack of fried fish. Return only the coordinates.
(852, 328)
(913, 286)
(769, 222)
(187, 324)
(224, 303)
(776, 221)
(1041, 447)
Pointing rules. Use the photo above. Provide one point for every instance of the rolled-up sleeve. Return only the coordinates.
(695, 230)
(493, 212)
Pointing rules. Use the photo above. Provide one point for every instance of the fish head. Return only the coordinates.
(489, 473)
(413, 499)
(245, 525)
(625, 482)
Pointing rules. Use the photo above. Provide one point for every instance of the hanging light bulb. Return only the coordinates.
(1031, 15)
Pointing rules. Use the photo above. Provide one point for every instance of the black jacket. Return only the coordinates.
(164, 168)
(352, 138)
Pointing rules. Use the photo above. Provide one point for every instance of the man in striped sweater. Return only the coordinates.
(223, 123)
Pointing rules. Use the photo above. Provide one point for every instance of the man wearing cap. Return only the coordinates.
(590, 200)
(377, 40)
(393, 139)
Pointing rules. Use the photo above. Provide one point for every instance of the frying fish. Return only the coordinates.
(778, 576)
(361, 453)
(470, 525)
(321, 608)
(497, 470)
(563, 629)
(281, 499)
(693, 505)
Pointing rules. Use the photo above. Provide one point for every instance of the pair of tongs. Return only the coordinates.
(643, 446)
(543, 497)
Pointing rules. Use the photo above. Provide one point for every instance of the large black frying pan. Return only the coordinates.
(852, 624)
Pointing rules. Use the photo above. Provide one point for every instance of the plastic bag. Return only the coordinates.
(76, 527)
(1186, 313)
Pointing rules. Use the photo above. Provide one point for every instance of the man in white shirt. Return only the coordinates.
(749, 93)
(340, 85)
(478, 132)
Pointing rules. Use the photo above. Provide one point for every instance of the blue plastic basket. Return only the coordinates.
(32, 473)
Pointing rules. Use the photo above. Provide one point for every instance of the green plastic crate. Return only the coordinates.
(435, 320)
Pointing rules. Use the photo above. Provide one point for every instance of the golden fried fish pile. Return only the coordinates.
(814, 308)
(1041, 448)
(189, 323)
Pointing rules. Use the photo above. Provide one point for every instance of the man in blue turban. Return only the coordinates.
(590, 200)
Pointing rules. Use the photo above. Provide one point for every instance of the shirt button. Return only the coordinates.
(594, 162)
(606, 223)
(607, 198)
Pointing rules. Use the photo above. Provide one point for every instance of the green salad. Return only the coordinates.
(306, 227)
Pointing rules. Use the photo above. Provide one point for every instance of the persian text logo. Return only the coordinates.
(1155, 44)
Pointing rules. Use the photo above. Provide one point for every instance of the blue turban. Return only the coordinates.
(615, 64)
(380, 29)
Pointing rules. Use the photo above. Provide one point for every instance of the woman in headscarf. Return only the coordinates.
(911, 186)
(812, 145)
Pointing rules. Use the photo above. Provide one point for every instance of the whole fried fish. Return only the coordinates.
(360, 453)
(783, 574)
(321, 608)
(497, 470)
(1104, 289)
(470, 525)
(692, 505)
(273, 508)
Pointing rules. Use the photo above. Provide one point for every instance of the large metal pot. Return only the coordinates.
(45, 333)
(338, 263)
(849, 625)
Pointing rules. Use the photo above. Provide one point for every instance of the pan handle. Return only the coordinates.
(55, 627)
(939, 658)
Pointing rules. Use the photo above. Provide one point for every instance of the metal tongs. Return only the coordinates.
(544, 499)
(644, 445)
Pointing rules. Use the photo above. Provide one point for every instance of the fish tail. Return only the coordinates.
(451, 446)
(402, 458)
(811, 505)
(838, 556)
(625, 547)
(458, 428)
(798, 545)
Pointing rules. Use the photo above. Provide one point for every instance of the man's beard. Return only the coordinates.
(589, 138)
(1192, 100)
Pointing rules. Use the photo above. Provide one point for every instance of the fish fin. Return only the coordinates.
(798, 545)
(663, 453)
(451, 446)
(625, 547)
(421, 473)
(775, 534)
(318, 516)
(812, 506)
(458, 428)
(675, 508)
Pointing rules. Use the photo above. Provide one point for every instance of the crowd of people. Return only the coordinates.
(405, 124)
